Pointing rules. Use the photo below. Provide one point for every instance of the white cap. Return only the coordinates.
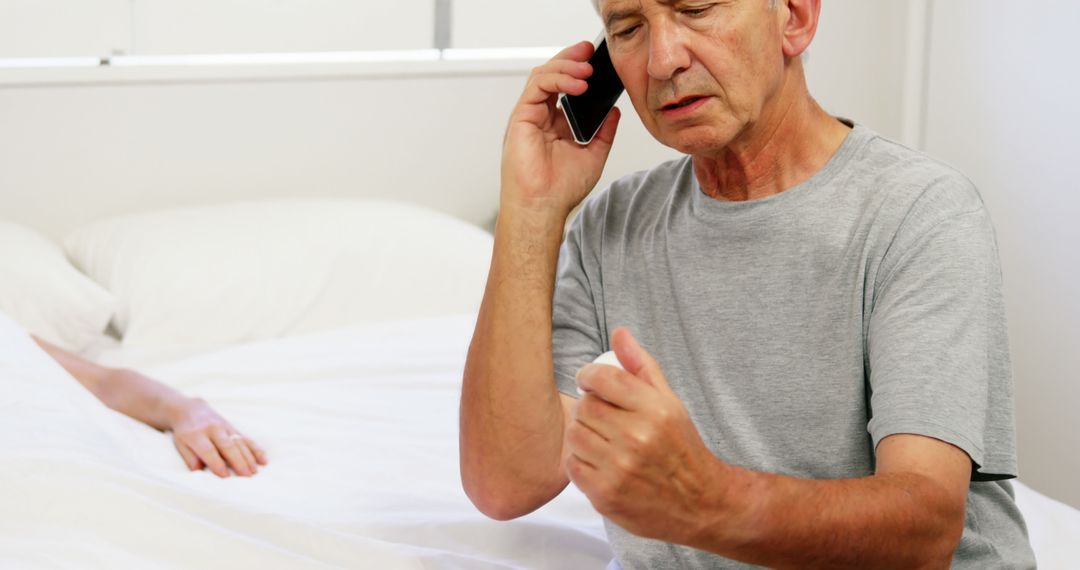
(608, 358)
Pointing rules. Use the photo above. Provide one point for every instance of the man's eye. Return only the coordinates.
(695, 12)
(627, 33)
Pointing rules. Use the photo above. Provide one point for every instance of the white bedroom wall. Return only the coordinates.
(856, 64)
(1002, 107)
(498, 23)
(243, 26)
(63, 28)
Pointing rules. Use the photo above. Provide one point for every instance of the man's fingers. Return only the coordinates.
(190, 459)
(544, 86)
(601, 416)
(229, 447)
(635, 359)
(584, 474)
(618, 387)
(580, 51)
(606, 135)
(556, 76)
(576, 69)
(585, 443)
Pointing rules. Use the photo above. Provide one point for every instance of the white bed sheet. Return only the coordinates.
(361, 428)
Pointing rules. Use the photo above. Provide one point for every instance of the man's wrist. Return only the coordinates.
(534, 215)
(527, 241)
(734, 510)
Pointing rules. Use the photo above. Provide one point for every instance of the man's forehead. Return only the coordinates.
(625, 4)
(620, 5)
(609, 8)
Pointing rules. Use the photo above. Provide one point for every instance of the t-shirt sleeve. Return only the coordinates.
(577, 337)
(937, 345)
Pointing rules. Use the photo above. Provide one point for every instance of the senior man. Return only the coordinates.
(809, 316)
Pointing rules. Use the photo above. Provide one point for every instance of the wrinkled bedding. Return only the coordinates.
(361, 428)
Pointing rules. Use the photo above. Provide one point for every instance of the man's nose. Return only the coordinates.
(667, 51)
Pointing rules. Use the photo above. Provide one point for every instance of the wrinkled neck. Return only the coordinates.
(792, 140)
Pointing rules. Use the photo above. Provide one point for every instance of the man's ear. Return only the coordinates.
(801, 25)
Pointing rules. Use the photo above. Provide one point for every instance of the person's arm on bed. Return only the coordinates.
(512, 415)
(203, 438)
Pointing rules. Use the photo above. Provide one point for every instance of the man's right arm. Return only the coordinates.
(512, 416)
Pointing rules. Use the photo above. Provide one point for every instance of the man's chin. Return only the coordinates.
(698, 141)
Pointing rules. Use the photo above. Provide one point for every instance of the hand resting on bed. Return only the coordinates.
(202, 437)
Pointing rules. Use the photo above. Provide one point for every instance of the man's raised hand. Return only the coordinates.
(543, 168)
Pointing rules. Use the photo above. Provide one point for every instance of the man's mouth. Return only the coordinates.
(685, 101)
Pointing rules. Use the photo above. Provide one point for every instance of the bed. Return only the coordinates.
(334, 333)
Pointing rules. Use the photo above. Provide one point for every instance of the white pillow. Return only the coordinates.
(44, 293)
(207, 276)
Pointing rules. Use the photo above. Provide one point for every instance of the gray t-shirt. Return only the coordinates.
(801, 329)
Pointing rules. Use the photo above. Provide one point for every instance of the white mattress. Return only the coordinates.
(361, 428)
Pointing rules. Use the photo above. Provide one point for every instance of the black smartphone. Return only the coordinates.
(586, 112)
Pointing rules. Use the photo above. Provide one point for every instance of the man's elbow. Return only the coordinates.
(947, 543)
(506, 496)
(495, 501)
(494, 505)
(949, 517)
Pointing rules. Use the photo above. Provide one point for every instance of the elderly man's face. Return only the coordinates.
(698, 71)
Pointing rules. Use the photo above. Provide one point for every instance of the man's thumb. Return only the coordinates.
(635, 359)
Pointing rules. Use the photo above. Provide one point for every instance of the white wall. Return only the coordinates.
(63, 28)
(241, 26)
(1003, 108)
(856, 64)
(53, 28)
(150, 145)
(499, 23)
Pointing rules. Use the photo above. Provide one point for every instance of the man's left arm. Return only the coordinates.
(638, 457)
(910, 514)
